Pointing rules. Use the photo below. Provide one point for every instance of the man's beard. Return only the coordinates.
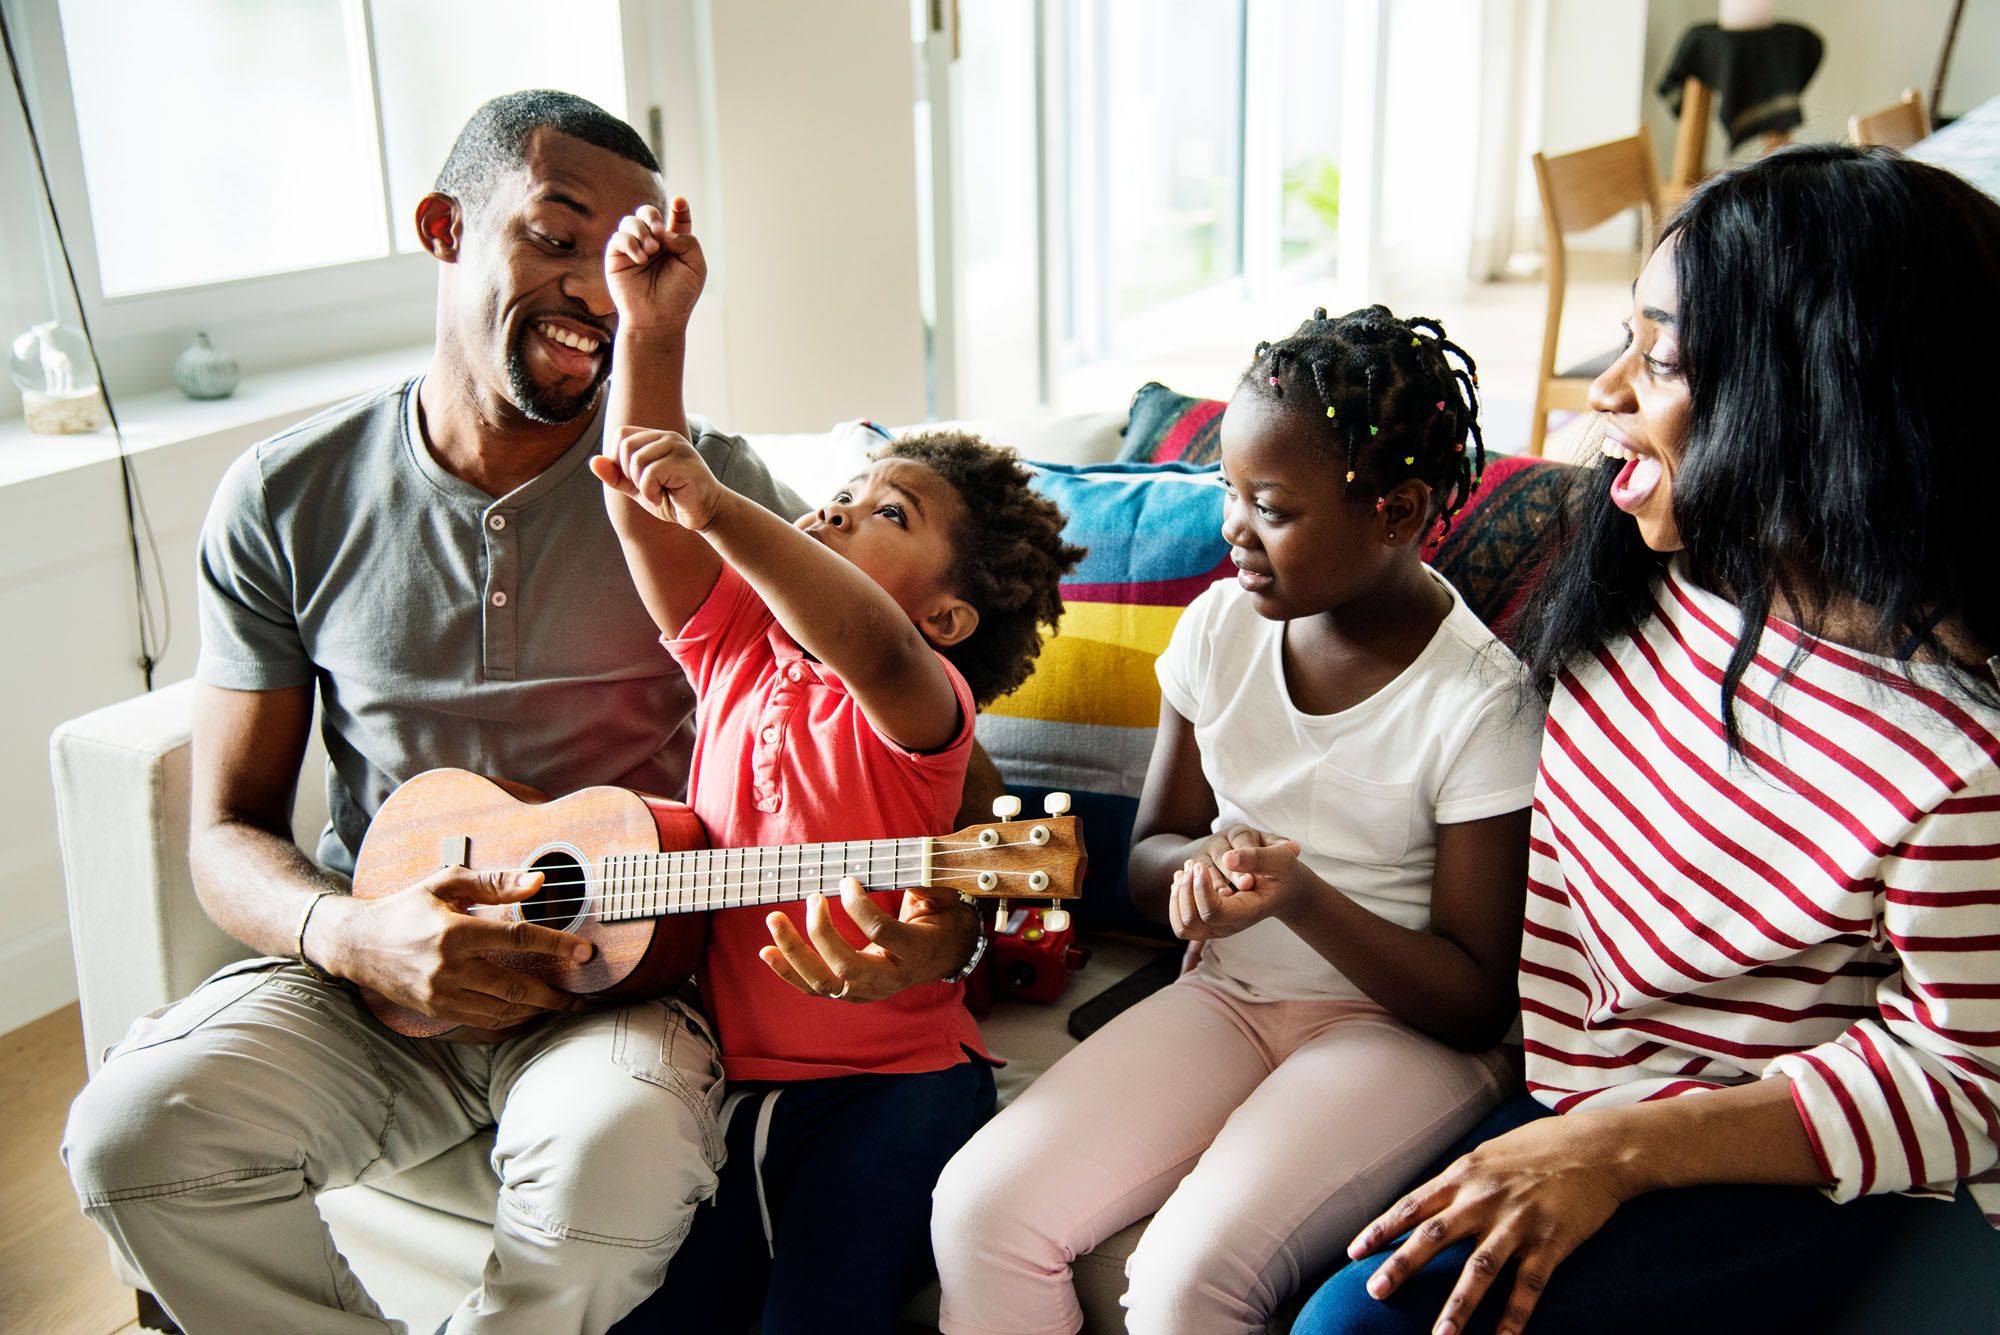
(539, 404)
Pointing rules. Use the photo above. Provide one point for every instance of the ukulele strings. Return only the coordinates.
(901, 861)
(609, 915)
(742, 886)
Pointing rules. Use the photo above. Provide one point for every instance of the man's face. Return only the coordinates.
(531, 308)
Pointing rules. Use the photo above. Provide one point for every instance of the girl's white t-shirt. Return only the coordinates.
(1455, 737)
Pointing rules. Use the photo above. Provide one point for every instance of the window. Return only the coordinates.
(287, 136)
(250, 167)
(1148, 161)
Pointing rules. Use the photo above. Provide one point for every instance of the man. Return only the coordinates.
(437, 558)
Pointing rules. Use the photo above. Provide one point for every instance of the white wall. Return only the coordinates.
(66, 599)
(1873, 52)
(815, 160)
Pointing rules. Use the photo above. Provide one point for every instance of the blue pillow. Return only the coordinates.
(1084, 722)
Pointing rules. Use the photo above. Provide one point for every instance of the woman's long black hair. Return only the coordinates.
(1839, 328)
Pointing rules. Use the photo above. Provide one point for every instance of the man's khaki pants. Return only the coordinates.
(200, 1144)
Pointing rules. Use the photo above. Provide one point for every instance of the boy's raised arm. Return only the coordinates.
(654, 269)
(836, 612)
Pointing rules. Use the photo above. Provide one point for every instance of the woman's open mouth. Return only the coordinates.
(1636, 481)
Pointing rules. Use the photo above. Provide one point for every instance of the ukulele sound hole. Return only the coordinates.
(559, 903)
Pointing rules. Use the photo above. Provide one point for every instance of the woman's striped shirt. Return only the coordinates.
(1823, 905)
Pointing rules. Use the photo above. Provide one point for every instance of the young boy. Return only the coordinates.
(838, 664)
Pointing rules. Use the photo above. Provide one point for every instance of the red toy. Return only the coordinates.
(1032, 961)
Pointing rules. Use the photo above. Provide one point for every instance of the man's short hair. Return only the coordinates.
(494, 142)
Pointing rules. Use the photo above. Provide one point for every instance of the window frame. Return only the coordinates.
(296, 316)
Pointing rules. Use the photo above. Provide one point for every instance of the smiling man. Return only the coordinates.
(432, 561)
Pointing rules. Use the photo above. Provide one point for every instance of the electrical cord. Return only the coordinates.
(154, 636)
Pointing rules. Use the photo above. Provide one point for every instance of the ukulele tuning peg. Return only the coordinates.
(1000, 917)
(1055, 804)
(1006, 807)
(1055, 918)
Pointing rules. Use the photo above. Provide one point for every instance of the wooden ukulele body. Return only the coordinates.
(451, 817)
(636, 877)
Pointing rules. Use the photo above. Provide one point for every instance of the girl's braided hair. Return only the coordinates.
(1398, 399)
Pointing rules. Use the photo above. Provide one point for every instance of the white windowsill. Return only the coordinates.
(267, 401)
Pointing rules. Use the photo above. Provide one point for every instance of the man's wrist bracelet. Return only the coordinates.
(964, 971)
(299, 942)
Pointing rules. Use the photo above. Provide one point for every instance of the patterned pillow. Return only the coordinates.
(1084, 722)
(1165, 427)
(1499, 538)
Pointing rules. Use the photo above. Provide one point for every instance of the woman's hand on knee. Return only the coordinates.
(1529, 1197)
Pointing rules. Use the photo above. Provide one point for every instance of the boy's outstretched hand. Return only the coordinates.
(664, 472)
(655, 269)
(929, 941)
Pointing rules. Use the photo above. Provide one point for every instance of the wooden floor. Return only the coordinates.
(55, 1275)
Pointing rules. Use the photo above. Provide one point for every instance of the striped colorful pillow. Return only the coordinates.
(1085, 721)
(1169, 427)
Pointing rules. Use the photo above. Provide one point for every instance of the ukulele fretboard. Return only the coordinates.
(650, 885)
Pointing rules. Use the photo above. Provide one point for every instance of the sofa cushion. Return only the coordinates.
(1084, 721)
(1169, 427)
(1494, 550)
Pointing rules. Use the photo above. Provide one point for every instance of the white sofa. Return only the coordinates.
(141, 939)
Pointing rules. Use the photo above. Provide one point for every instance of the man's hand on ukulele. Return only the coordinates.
(655, 269)
(929, 941)
(421, 948)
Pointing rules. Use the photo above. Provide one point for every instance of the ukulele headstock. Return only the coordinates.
(1012, 858)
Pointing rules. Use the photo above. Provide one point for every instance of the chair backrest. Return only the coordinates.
(1897, 125)
(1580, 190)
(1584, 188)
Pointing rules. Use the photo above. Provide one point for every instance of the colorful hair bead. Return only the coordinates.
(1440, 405)
(1274, 380)
(1329, 410)
(1409, 458)
(1374, 430)
(1379, 503)
(1350, 475)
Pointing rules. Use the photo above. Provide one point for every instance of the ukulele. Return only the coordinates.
(631, 873)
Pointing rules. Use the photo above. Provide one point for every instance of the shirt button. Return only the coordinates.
(500, 598)
(771, 733)
(797, 673)
(497, 522)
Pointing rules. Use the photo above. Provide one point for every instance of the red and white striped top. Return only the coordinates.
(1824, 906)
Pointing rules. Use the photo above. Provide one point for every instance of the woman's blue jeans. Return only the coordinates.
(1714, 1259)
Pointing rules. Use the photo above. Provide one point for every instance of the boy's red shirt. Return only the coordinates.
(784, 755)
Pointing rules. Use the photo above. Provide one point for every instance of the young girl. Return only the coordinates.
(1761, 963)
(1335, 819)
(837, 665)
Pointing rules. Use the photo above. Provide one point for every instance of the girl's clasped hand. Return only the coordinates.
(1237, 878)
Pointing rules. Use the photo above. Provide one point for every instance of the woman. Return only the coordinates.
(1761, 961)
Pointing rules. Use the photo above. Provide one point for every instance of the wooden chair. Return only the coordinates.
(1690, 140)
(1897, 125)
(1580, 190)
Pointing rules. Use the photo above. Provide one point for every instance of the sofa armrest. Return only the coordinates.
(123, 788)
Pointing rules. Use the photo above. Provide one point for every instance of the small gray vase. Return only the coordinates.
(205, 372)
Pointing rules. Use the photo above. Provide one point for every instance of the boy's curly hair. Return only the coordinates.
(1008, 556)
